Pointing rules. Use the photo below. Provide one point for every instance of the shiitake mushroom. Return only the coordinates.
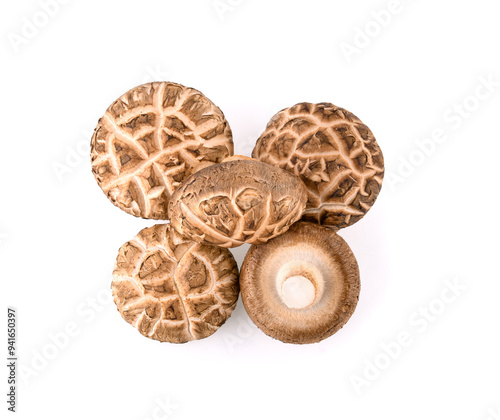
(300, 287)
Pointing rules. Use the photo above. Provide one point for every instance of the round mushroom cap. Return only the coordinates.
(172, 289)
(237, 201)
(333, 152)
(237, 157)
(228, 159)
(302, 286)
(150, 140)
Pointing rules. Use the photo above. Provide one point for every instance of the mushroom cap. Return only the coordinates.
(333, 152)
(316, 255)
(172, 289)
(237, 157)
(237, 201)
(150, 140)
(228, 159)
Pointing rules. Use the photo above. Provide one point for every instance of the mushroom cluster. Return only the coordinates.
(164, 151)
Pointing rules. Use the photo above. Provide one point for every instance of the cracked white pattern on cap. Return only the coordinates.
(150, 140)
(237, 201)
(173, 289)
(333, 152)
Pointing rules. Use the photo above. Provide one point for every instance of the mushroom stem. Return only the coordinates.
(300, 287)
(298, 292)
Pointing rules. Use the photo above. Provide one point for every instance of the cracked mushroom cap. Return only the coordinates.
(302, 286)
(333, 152)
(172, 289)
(237, 201)
(150, 140)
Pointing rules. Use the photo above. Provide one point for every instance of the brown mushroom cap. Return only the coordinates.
(172, 289)
(333, 152)
(228, 159)
(302, 286)
(237, 201)
(237, 157)
(150, 140)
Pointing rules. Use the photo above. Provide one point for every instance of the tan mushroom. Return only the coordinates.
(237, 201)
(302, 286)
(333, 152)
(150, 140)
(228, 159)
(237, 157)
(173, 289)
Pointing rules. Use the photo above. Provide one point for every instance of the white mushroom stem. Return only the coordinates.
(302, 286)
(299, 280)
(298, 292)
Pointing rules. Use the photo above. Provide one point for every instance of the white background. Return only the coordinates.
(436, 219)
